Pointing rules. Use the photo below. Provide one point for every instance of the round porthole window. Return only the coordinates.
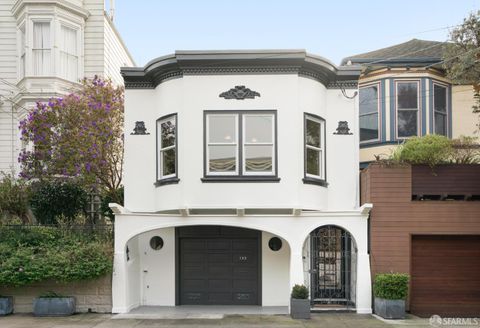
(275, 244)
(156, 243)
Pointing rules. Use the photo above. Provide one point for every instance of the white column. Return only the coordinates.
(119, 284)
(364, 284)
(296, 264)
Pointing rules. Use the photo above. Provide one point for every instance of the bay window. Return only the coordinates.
(369, 113)
(314, 152)
(68, 53)
(440, 109)
(240, 144)
(41, 49)
(167, 149)
(407, 108)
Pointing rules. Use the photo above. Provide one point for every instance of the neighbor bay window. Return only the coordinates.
(167, 149)
(407, 108)
(314, 138)
(369, 105)
(240, 144)
(42, 49)
(440, 109)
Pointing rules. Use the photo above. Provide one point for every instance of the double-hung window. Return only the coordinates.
(167, 149)
(42, 49)
(440, 109)
(369, 105)
(407, 108)
(314, 129)
(240, 144)
(68, 53)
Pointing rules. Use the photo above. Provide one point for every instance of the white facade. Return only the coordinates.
(46, 48)
(286, 203)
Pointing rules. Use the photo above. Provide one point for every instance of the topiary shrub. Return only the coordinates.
(430, 150)
(391, 286)
(299, 292)
(50, 199)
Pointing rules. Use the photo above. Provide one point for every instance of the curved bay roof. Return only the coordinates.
(240, 62)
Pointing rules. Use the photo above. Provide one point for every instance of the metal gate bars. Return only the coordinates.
(332, 267)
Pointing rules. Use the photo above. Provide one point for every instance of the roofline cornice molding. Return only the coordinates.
(240, 62)
(20, 4)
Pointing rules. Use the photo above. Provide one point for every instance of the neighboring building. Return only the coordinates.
(426, 222)
(46, 48)
(241, 180)
(403, 93)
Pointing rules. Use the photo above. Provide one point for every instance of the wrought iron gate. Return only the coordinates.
(332, 257)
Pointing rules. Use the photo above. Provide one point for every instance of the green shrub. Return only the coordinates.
(299, 292)
(14, 197)
(430, 150)
(51, 199)
(34, 254)
(391, 286)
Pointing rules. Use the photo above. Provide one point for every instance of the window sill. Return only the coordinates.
(318, 182)
(240, 179)
(166, 182)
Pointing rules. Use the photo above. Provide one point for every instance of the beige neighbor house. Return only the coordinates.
(46, 48)
(403, 93)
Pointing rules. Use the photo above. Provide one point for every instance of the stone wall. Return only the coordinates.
(91, 295)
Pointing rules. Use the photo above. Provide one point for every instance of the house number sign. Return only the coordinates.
(242, 258)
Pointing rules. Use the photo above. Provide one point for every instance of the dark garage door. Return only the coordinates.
(445, 276)
(218, 265)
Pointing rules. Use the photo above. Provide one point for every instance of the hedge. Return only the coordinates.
(34, 254)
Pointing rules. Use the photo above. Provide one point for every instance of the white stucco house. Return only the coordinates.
(46, 48)
(241, 180)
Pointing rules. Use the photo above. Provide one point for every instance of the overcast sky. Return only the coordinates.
(333, 29)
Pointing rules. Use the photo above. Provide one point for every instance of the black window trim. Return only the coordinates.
(240, 177)
(309, 179)
(169, 180)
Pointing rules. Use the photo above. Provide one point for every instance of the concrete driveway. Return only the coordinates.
(282, 321)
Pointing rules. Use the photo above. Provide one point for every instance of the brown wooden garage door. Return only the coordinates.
(445, 276)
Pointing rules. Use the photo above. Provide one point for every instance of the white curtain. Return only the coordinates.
(41, 48)
(68, 54)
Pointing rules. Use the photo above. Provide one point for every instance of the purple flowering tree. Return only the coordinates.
(79, 135)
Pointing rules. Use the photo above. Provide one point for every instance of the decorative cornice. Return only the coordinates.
(240, 92)
(352, 84)
(139, 85)
(241, 62)
(20, 4)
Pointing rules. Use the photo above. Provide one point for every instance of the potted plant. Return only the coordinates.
(51, 304)
(299, 303)
(6, 305)
(390, 290)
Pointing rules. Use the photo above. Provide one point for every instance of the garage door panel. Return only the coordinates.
(196, 285)
(219, 270)
(445, 277)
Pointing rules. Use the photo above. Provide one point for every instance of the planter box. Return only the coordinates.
(299, 309)
(390, 309)
(54, 307)
(6, 305)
